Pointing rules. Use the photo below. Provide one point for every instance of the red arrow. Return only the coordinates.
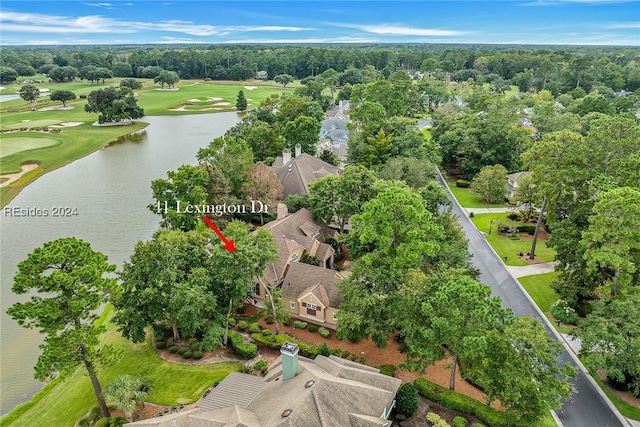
(228, 244)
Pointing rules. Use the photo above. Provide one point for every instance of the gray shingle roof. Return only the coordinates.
(302, 278)
(236, 389)
(296, 175)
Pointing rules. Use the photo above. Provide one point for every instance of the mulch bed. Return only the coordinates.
(419, 418)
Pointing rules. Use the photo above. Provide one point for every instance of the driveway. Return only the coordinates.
(590, 406)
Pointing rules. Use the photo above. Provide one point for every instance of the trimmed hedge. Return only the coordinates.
(276, 341)
(173, 349)
(324, 332)
(465, 404)
(160, 344)
(299, 325)
(254, 328)
(232, 322)
(182, 350)
(187, 355)
(313, 328)
(245, 349)
(407, 401)
(463, 183)
(527, 228)
(197, 355)
(243, 325)
(459, 422)
(266, 332)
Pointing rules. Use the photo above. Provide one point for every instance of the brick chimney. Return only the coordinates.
(289, 352)
(286, 156)
(298, 150)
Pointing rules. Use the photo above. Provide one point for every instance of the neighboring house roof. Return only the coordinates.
(333, 123)
(512, 182)
(261, 74)
(275, 271)
(296, 175)
(342, 394)
(303, 279)
(237, 389)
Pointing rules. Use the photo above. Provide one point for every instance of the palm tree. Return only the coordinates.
(127, 392)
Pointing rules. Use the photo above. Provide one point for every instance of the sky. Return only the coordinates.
(538, 22)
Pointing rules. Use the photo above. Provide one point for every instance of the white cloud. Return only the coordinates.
(400, 30)
(92, 24)
(174, 40)
(104, 5)
(43, 42)
(624, 25)
(306, 40)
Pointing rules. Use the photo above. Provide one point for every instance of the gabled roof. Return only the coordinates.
(275, 271)
(296, 175)
(305, 278)
(236, 390)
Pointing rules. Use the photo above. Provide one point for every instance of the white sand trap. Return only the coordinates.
(66, 125)
(214, 98)
(168, 90)
(11, 177)
(222, 103)
(193, 100)
(57, 108)
(44, 89)
(120, 123)
(251, 87)
(179, 108)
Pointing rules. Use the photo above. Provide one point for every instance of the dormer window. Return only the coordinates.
(294, 257)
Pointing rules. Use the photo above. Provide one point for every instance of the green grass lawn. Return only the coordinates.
(624, 408)
(468, 199)
(506, 246)
(11, 145)
(63, 403)
(539, 288)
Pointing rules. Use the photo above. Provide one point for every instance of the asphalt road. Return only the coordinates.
(588, 408)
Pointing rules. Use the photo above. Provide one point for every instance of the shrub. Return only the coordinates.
(245, 349)
(83, 96)
(527, 228)
(324, 350)
(187, 354)
(243, 325)
(254, 328)
(299, 325)
(269, 320)
(463, 183)
(182, 350)
(232, 321)
(313, 328)
(102, 422)
(389, 370)
(246, 369)
(260, 365)
(324, 332)
(407, 400)
(286, 322)
(197, 355)
(240, 308)
(266, 331)
(465, 404)
(173, 349)
(160, 344)
(171, 343)
(471, 214)
(276, 341)
(459, 422)
(117, 421)
(564, 312)
(436, 420)
(345, 354)
(513, 216)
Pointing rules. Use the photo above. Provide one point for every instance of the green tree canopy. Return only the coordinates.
(62, 95)
(113, 104)
(29, 93)
(491, 183)
(241, 102)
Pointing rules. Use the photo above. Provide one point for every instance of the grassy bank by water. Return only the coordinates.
(24, 142)
(62, 403)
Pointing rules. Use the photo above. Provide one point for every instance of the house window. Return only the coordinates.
(292, 304)
(257, 289)
(294, 257)
(312, 306)
(335, 317)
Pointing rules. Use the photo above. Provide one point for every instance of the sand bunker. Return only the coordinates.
(169, 89)
(43, 90)
(193, 100)
(251, 87)
(66, 125)
(214, 98)
(11, 177)
(179, 108)
(57, 107)
(120, 123)
(222, 103)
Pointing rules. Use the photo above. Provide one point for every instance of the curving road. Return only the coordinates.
(589, 407)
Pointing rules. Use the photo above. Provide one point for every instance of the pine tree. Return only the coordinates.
(241, 102)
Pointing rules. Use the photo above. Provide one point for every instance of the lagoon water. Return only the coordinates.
(111, 190)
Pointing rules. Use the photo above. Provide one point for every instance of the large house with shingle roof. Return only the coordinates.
(310, 293)
(295, 174)
(297, 392)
